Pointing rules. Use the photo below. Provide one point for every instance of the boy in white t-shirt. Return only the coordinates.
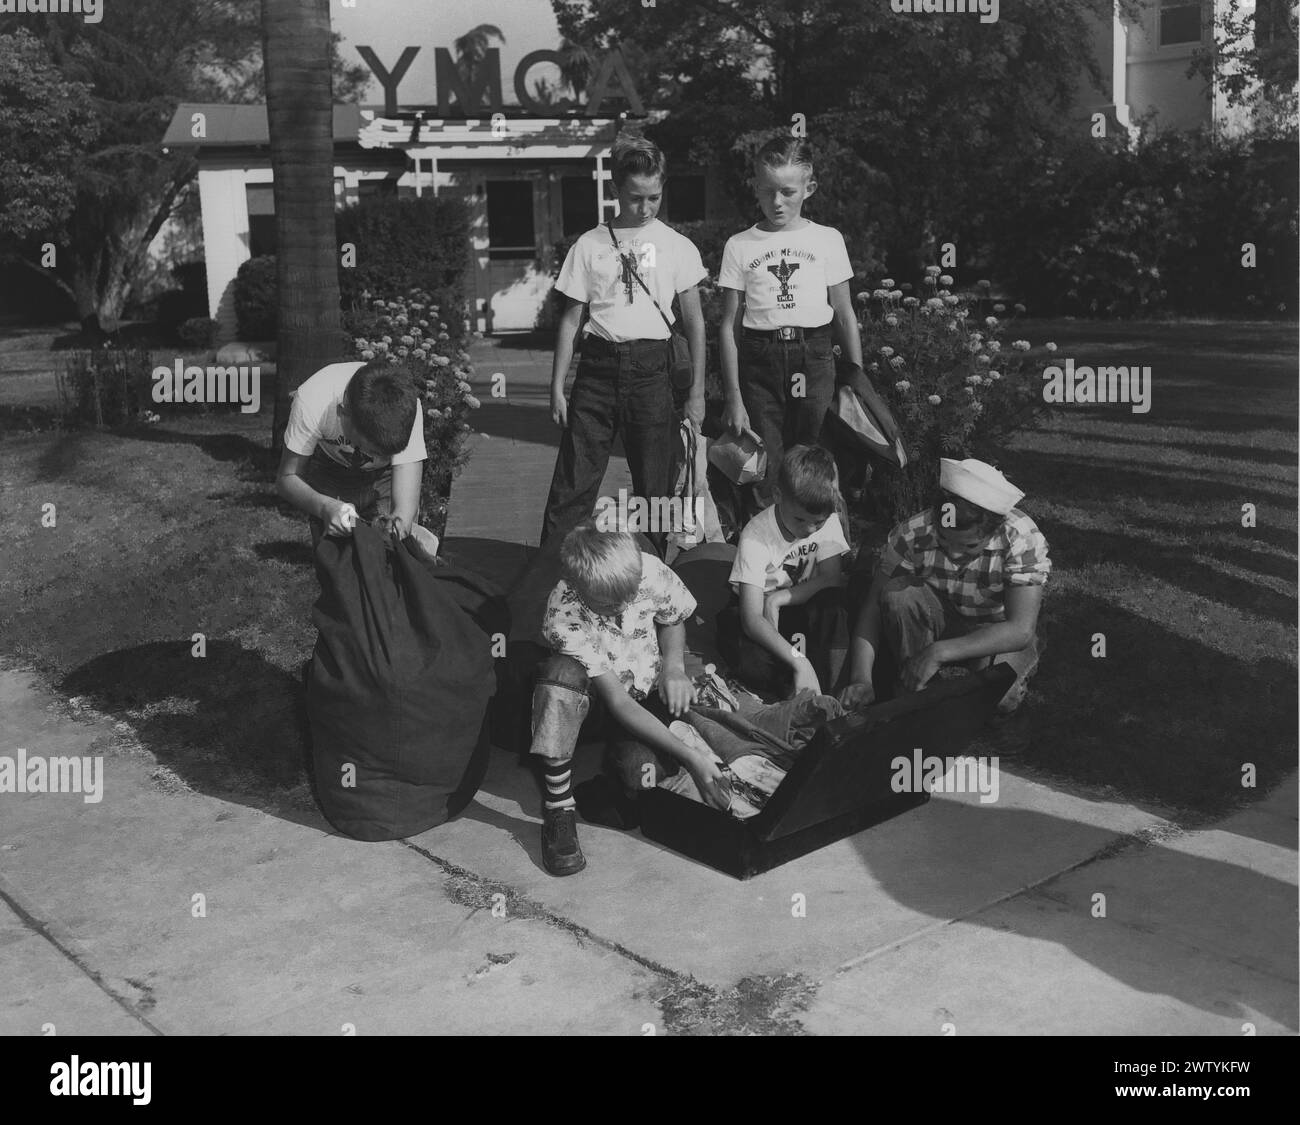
(625, 274)
(355, 438)
(786, 283)
(789, 581)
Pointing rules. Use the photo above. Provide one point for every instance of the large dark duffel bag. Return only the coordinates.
(398, 686)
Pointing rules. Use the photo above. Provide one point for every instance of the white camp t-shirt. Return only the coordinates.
(766, 558)
(314, 421)
(668, 263)
(785, 274)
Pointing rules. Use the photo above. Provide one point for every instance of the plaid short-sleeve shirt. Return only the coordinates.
(1016, 555)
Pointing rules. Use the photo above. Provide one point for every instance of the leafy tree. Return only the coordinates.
(917, 119)
(133, 69)
(472, 48)
(1254, 58)
(44, 123)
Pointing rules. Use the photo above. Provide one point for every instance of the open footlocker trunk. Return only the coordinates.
(839, 785)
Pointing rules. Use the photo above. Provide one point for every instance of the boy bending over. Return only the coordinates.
(616, 624)
(959, 583)
(354, 438)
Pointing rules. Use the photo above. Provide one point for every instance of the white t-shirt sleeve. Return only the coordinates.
(690, 266)
(732, 273)
(575, 275)
(415, 449)
(753, 557)
(830, 539)
(838, 266)
(305, 415)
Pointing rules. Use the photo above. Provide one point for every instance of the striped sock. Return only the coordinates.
(559, 784)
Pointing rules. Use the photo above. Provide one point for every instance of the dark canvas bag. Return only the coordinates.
(398, 686)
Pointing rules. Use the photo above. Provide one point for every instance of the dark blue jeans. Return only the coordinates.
(619, 389)
(780, 417)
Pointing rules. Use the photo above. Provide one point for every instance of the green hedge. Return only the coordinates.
(401, 244)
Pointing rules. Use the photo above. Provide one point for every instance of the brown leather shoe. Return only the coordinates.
(561, 852)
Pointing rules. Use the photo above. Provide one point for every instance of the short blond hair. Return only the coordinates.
(603, 566)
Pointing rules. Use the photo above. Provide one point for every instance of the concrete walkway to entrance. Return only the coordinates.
(154, 912)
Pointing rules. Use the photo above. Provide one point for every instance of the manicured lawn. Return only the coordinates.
(172, 530)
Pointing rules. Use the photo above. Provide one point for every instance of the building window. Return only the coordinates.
(510, 219)
(578, 202)
(376, 189)
(1180, 23)
(685, 199)
(261, 219)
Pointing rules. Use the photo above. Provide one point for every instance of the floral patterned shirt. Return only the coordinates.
(627, 644)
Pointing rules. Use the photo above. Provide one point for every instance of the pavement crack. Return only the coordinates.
(756, 1005)
(40, 929)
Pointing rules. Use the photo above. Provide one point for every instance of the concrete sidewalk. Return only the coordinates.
(984, 917)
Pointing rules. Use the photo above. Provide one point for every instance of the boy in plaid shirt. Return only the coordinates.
(959, 583)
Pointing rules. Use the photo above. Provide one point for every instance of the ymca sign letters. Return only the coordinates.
(470, 94)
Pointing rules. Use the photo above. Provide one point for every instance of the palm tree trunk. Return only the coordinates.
(300, 112)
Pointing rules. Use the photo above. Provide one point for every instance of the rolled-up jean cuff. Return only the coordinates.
(559, 710)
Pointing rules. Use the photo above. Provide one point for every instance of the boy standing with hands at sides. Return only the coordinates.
(616, 626)
(624, 275)
(786, 304)
(788, 577)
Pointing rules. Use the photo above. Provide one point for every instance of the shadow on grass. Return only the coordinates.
(229, 724)
(64, 452)
(1175, 565)
(1160, 717)
(287, 551)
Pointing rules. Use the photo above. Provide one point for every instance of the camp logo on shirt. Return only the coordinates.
(799, 562)
(348, 455)
(783, 271)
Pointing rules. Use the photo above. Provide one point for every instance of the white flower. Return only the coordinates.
(873, 367)
(930, 279)
(910, 302)
(993, 346)
(946, 279)
(952, 326)
(368, 354)
(1020, 345)
(863, 297)
(886, 352)
(1019, 308)
(934, 303)
(932, 271)
(472, 402)
(892, 321)
(962, 314)
(933, 400)
(463, 387)
(879, 294)
(902, 385)
(1050, 347)
(950, 300)
(896, 293)
(887, 282)
(995, 375)
(385, 339)
(974, 380)
(999, 308)
(970, 390)
(896, 363)
(982, 359)
(991, 321)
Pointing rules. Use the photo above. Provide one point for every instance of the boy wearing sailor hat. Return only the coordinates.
(959, 583)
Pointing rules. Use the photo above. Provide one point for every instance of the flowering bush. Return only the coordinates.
(953, 384)
(428, 340)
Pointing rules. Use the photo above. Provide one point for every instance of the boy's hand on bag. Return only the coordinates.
(676, 690)
(708, 778)
(339, 518)
(857, 695)
(919, 670)
(736, 418)
(559, 407)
